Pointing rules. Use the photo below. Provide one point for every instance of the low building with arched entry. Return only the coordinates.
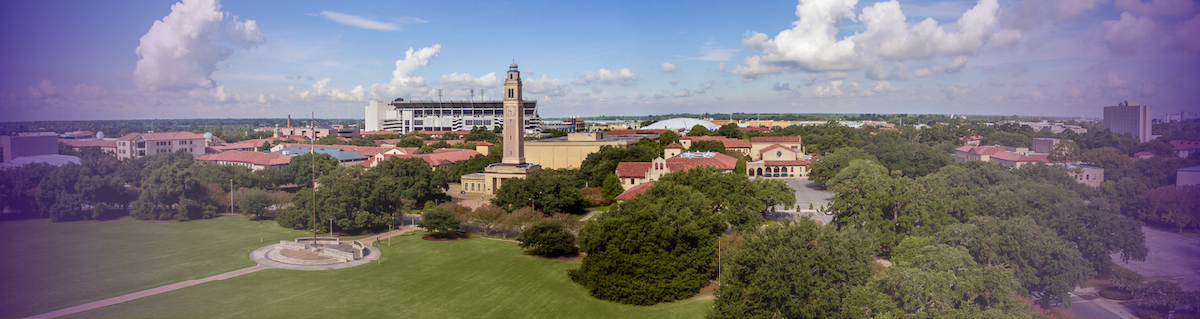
(637, 173)
(778, 161)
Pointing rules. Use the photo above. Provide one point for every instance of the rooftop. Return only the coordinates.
(634, 191)
(339, 154)
(775, 139)
(610, 138)
(256, 158)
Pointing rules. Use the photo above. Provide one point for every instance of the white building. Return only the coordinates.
(137, 145)
(408, 116)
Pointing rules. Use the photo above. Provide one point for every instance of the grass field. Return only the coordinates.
(473, 278)
(49, 266)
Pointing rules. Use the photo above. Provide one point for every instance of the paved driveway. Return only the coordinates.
(1171, 255)
(807, 193)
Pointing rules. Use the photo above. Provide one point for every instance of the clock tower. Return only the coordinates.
(514, 118)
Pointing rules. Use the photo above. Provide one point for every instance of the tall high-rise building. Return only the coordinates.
(1129, 117)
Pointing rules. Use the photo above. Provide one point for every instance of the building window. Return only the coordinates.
(510, 93)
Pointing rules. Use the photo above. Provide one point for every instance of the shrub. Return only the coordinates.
(548, 238)
(1159, 294)
(441, 221)
(1115, 293)
(1124, 278)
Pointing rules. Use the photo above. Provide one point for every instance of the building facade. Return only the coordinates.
(137, 145)
(408, 116)
(570, 151)
(1129, 117)
(24, 145)
(512, 163)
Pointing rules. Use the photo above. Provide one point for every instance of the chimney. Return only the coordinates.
(289, 123)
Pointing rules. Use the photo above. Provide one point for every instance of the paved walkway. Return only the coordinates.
(1171, 256)
(154, 291)
(145, 293)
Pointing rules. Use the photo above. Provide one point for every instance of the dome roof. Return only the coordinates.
(513, 66)
(208, 135)
(100, 135)
(685, 123)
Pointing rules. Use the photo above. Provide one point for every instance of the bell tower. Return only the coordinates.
(514, 118)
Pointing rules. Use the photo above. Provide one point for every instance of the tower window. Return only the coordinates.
(510, 93)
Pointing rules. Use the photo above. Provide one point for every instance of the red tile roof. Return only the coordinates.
(1014, 157)
(729, 142)
(234, 146)
(673, 145)
(451, 142)
(775, 139)
(755, 129)
(482, 143)
(162, 136)
(684, 161)
(438, 157)
(982, 150)
(95, 143)
(787, 163)
(391, 141)
(256, 158)
(1143, 153)
(1183, 145)
(632, 169)
(634, 191)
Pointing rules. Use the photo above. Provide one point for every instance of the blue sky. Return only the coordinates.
(76, 60)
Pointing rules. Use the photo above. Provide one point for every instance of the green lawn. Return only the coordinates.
(472, 278)
(49, 266)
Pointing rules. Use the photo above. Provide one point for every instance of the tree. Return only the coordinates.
(300, 170)
(441, 221)
(1124, 278)
(550, 192)
(1107, 158)
(698, 130)
(266, 145)
(740, 167)
(707, 146)
(828, 166)
(792, 270)
(655, 248)
(890, 207)
(668, 137)
(736, 199)
(730, 130)
(1042, 262)
(488, 216)
(522, 218)
(254, 202)
(612, 186)
(597, 166)
(171, 190)
(548, 238)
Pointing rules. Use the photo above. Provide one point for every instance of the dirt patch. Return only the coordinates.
(706, 293)
(440, 238)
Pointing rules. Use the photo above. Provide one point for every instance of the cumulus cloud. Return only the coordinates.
(180, 52)
(883, 73)
(367, 23)
(1112, 80)
(682, 93)
(667, 67)
(880, 87)
(403, 81)
(674, 81)
(624, 77)
(321, 89)
(244, 34)
(1127, 35)
(1045, 84)
(833, 90)
(545, 86)
(1185, 37)
(811, 44)
(455, 80)
(1157, 8)
(781, 87)
(956, 65)
(836, 75)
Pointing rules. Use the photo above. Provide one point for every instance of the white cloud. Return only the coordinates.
(836, 75)
(896, 71)
(811, 44)
(705, 87)
(682, 93)
(360, 22)
(956, 65)
(545, 86)
(781, 87)
(45, 89)
(1072, 9)
(673, 81)
(1128, 35)
(1073, 92)
(833, 90)
(1157, 8)
(456, 81)
(880, 87)
(321, 89)
(709, 51)
(244, 34)
(1045, 84)
(1186, 36)
(623, 76)
(180, 51)
(995, 82)
(1112, 80)
(404, 82)
(668, 67)
(1018, 83)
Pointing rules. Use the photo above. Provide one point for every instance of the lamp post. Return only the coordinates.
(330, 227)
(231, 196)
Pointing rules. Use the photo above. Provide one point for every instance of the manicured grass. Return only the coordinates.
(600, 208)
(49, 266)
(471, 278)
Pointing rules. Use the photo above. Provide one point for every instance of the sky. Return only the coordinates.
(140, 59)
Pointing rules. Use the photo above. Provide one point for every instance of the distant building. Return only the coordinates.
(983, 153)
(1188, 176)
(1185, 148)
(1054, 127)
(253, 160)
(1084, 174)
(1129, 117)
(137, 145)
(408, 116)
(367, 151)
(571, 125)
(761, 142)
(731, 144)
(682, 124)
(438, 159)
(104, 145)
(569, 151)
(344, 157)
(29, 144)
(779, 161)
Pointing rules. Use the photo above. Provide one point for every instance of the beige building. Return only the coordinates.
(137, 145)
(761, 142)
(1188, 176)
(1044, 144)
(1084, 174)
(512, 164)
(570, 151)
(636, 173)
(779, 162)
(731, 144)
(253, 160)
(1129, 117)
